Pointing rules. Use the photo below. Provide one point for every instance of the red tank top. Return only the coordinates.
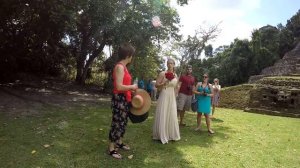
(126, 81)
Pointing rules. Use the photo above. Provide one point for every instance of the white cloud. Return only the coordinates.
(231, 14)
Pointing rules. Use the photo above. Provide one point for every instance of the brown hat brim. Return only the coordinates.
(147, 103)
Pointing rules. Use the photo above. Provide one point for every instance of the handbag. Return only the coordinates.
(194, 104)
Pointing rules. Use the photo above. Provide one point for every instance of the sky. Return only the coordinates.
(237, 18)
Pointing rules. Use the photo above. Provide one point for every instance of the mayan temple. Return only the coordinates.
(288, 65)
(277, 88)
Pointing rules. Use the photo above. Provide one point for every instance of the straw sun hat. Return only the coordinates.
(141, 103)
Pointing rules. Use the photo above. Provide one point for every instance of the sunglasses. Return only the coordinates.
(205, 76)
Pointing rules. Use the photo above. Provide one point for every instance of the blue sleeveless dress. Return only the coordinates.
(204, 102)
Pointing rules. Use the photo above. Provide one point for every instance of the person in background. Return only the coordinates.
(121, 100)
(149, 87)
(217, 95)
(154, 90)
(204, 93)
(186, 84)
(141, 84)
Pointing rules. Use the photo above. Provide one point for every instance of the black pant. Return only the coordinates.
(120, 109)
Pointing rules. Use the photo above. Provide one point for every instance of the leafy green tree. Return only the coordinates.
(99, 23)
(235, 63)
(182, 2)
(240, 58)
(30, 34)
(265, 46)
(293, 25)
(208, 50)
(191, 48)
(147, 64)
(91, 28)
(286, 41)
(137, 28)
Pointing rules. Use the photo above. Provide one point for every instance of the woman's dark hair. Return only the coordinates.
(125, 50)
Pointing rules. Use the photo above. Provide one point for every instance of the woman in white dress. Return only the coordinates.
(166, 126)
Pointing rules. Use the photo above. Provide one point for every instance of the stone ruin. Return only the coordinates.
(276, 96)
(277, 90)
(288, 65)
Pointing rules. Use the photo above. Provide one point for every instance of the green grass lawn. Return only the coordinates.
(78, 138)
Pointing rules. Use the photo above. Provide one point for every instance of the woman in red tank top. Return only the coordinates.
(121, 100)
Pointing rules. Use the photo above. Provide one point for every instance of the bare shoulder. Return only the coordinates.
(162, 73)
(119, 67)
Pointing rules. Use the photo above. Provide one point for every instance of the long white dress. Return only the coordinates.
(166, 126)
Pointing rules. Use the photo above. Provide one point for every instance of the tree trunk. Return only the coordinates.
(80, 66)
(79, 71)
(83, 27)
(89, 62)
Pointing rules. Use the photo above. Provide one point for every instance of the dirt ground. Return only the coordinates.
(31, 97)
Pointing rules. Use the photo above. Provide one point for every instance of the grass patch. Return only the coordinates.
(284, 77)
(280, 81)
(78, 138)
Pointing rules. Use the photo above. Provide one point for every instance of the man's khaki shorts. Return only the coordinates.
(184, 102)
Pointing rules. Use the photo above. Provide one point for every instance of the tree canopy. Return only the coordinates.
(45, 38)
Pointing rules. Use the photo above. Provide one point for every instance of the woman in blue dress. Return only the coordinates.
(203, 91)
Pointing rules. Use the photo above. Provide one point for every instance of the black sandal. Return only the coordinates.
(122, 146)
(115, 154)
